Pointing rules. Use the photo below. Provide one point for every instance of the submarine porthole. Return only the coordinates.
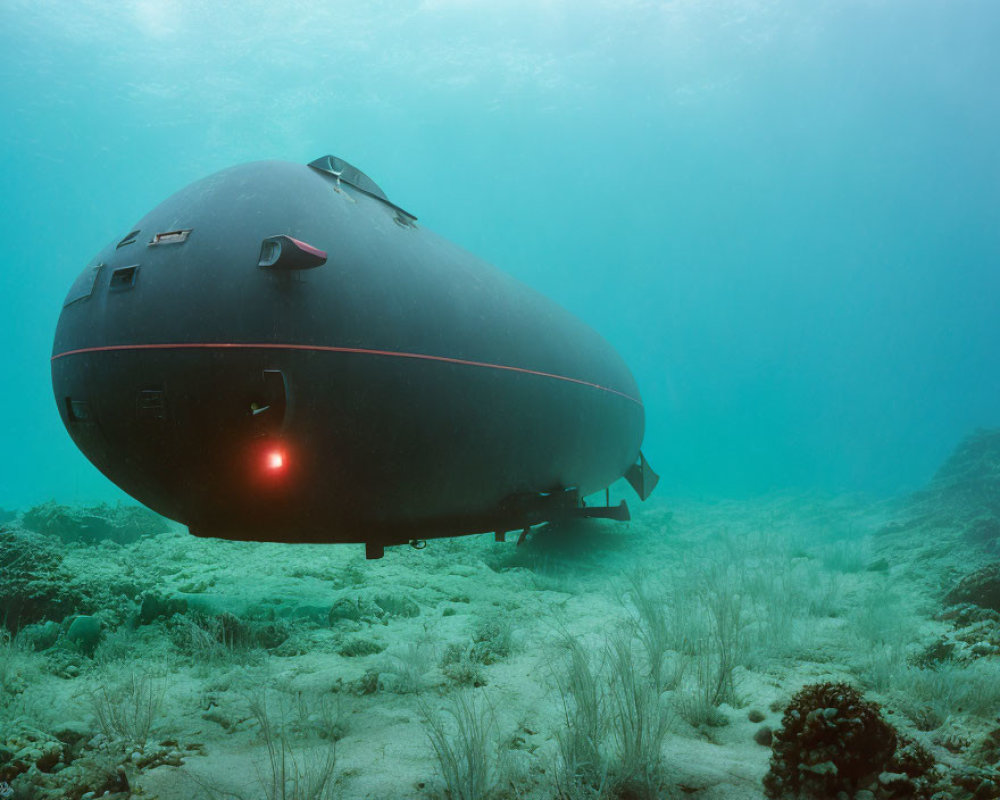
(77, 410)
(123, 278)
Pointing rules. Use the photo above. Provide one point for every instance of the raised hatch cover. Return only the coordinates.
(351, 175)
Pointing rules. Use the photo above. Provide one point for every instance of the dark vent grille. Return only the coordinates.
(149, 404)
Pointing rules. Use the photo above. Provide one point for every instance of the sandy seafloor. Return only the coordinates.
(349, 658)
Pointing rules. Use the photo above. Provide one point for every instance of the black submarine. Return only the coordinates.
(278, 352)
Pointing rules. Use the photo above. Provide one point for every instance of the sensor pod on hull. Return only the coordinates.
(278, 352)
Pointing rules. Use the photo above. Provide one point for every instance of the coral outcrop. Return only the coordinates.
(34, 586)
(121, 524)
(962, 499)
(981, 588)
(834, 743)
(969, 481)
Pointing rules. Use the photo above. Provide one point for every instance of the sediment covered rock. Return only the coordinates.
(121, 524)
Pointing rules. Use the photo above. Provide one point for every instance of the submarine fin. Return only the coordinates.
(618, 513)
(348, 173)
(352, 176)
(642, 478)
(525, 510)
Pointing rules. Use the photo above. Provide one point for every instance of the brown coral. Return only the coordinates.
(831, 740)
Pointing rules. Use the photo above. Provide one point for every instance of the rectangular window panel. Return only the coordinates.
(83, 286)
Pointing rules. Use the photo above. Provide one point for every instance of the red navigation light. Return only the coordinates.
(271, 465)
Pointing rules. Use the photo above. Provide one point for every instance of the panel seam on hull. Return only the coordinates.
(335, 349)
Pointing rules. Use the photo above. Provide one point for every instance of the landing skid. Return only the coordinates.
(521, 512)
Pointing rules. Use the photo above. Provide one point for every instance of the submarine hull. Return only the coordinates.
(277, 352)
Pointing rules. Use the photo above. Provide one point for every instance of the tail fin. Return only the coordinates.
(642, 478)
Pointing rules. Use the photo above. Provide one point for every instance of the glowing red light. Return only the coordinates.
(275, 460)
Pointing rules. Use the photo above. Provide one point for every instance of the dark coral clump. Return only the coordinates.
(833, 740)
(981, 588)
(34, 585)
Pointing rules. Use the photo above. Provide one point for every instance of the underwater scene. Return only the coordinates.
(500, 400)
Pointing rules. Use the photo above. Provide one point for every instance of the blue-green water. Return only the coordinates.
(785, 215)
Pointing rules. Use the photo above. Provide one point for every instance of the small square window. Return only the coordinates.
(77, 410)
(123, 278)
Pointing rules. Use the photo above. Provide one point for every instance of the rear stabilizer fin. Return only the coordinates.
(618, 513)
(642, 478)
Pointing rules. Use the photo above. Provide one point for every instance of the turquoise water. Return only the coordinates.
(783, 214)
